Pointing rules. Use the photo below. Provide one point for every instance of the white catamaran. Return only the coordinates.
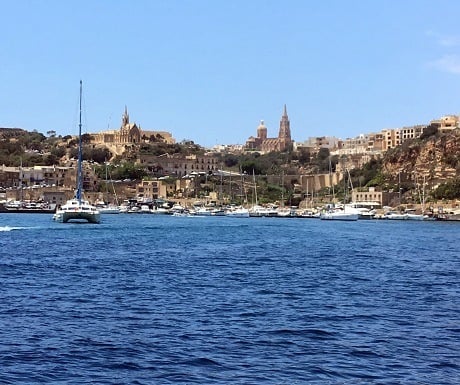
(77, 208)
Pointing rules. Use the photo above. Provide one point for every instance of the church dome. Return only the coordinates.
(261, 125)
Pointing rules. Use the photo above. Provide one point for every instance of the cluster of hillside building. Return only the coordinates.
(58, 182)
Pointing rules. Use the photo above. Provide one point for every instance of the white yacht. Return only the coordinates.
(78, 209)
(339, 215)
(109, 209)
(237, 212)
(262, 211)
(347, 213)
(395, 216)
(413, 216)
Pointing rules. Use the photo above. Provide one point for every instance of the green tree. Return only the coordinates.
(58, 151)
(230, 160)
(304, 156)
(50, 160)
(86, 138)
(99, 155)
(324, 162)
(448, 190)
(128, 170)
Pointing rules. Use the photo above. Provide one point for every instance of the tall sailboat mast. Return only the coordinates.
(80, 155)
(255, 185)
(21, 187)
(77, 208)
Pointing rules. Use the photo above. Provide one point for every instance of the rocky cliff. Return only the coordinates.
(435, 159)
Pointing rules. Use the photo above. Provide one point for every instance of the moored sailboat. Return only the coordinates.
(101, 205)
(237, 212)
(338, 214)
(77, 208)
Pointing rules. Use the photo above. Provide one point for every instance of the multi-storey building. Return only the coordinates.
(376, 142)
(178, 165)
(391, 138)
(151, 189)
(228, 148)
(446, 123)
(47, 176)
(318, 142)
(49, 183)
(357, 145)
(412, 132)
(36, 176)
(370, 198)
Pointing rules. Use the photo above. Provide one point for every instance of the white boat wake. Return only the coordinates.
(11, 228)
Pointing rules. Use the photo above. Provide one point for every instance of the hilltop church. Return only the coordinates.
(129, 134)
(264, 144)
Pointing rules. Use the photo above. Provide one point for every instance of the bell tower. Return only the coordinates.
(125, 118)
(285, 126)
(284, 136)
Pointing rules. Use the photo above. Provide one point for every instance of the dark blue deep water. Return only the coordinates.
(144, 299)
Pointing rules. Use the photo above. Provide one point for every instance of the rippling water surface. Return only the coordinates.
(144, 299)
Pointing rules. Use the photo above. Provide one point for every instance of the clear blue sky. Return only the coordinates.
(210, 70)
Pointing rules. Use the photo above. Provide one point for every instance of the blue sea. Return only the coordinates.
(145, 299)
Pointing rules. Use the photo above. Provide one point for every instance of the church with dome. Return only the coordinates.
(282, 143)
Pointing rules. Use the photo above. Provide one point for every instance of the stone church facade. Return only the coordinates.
(129, 134)
(264, 144)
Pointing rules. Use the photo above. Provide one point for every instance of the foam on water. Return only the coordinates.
(11, 228)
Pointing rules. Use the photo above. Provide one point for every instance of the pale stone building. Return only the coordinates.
(370, 198)
(129, 134)
(391, 138)
(179, 165)
(151, 189)
(446, 123)
(42, 176)
(50, 183)
(411, 132)
(310, 184)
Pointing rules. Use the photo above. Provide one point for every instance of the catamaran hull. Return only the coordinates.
(77, 216)
(339, 216)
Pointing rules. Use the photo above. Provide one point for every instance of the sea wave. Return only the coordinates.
(152, 299)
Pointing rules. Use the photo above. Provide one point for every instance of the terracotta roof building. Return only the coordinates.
(264, 144)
